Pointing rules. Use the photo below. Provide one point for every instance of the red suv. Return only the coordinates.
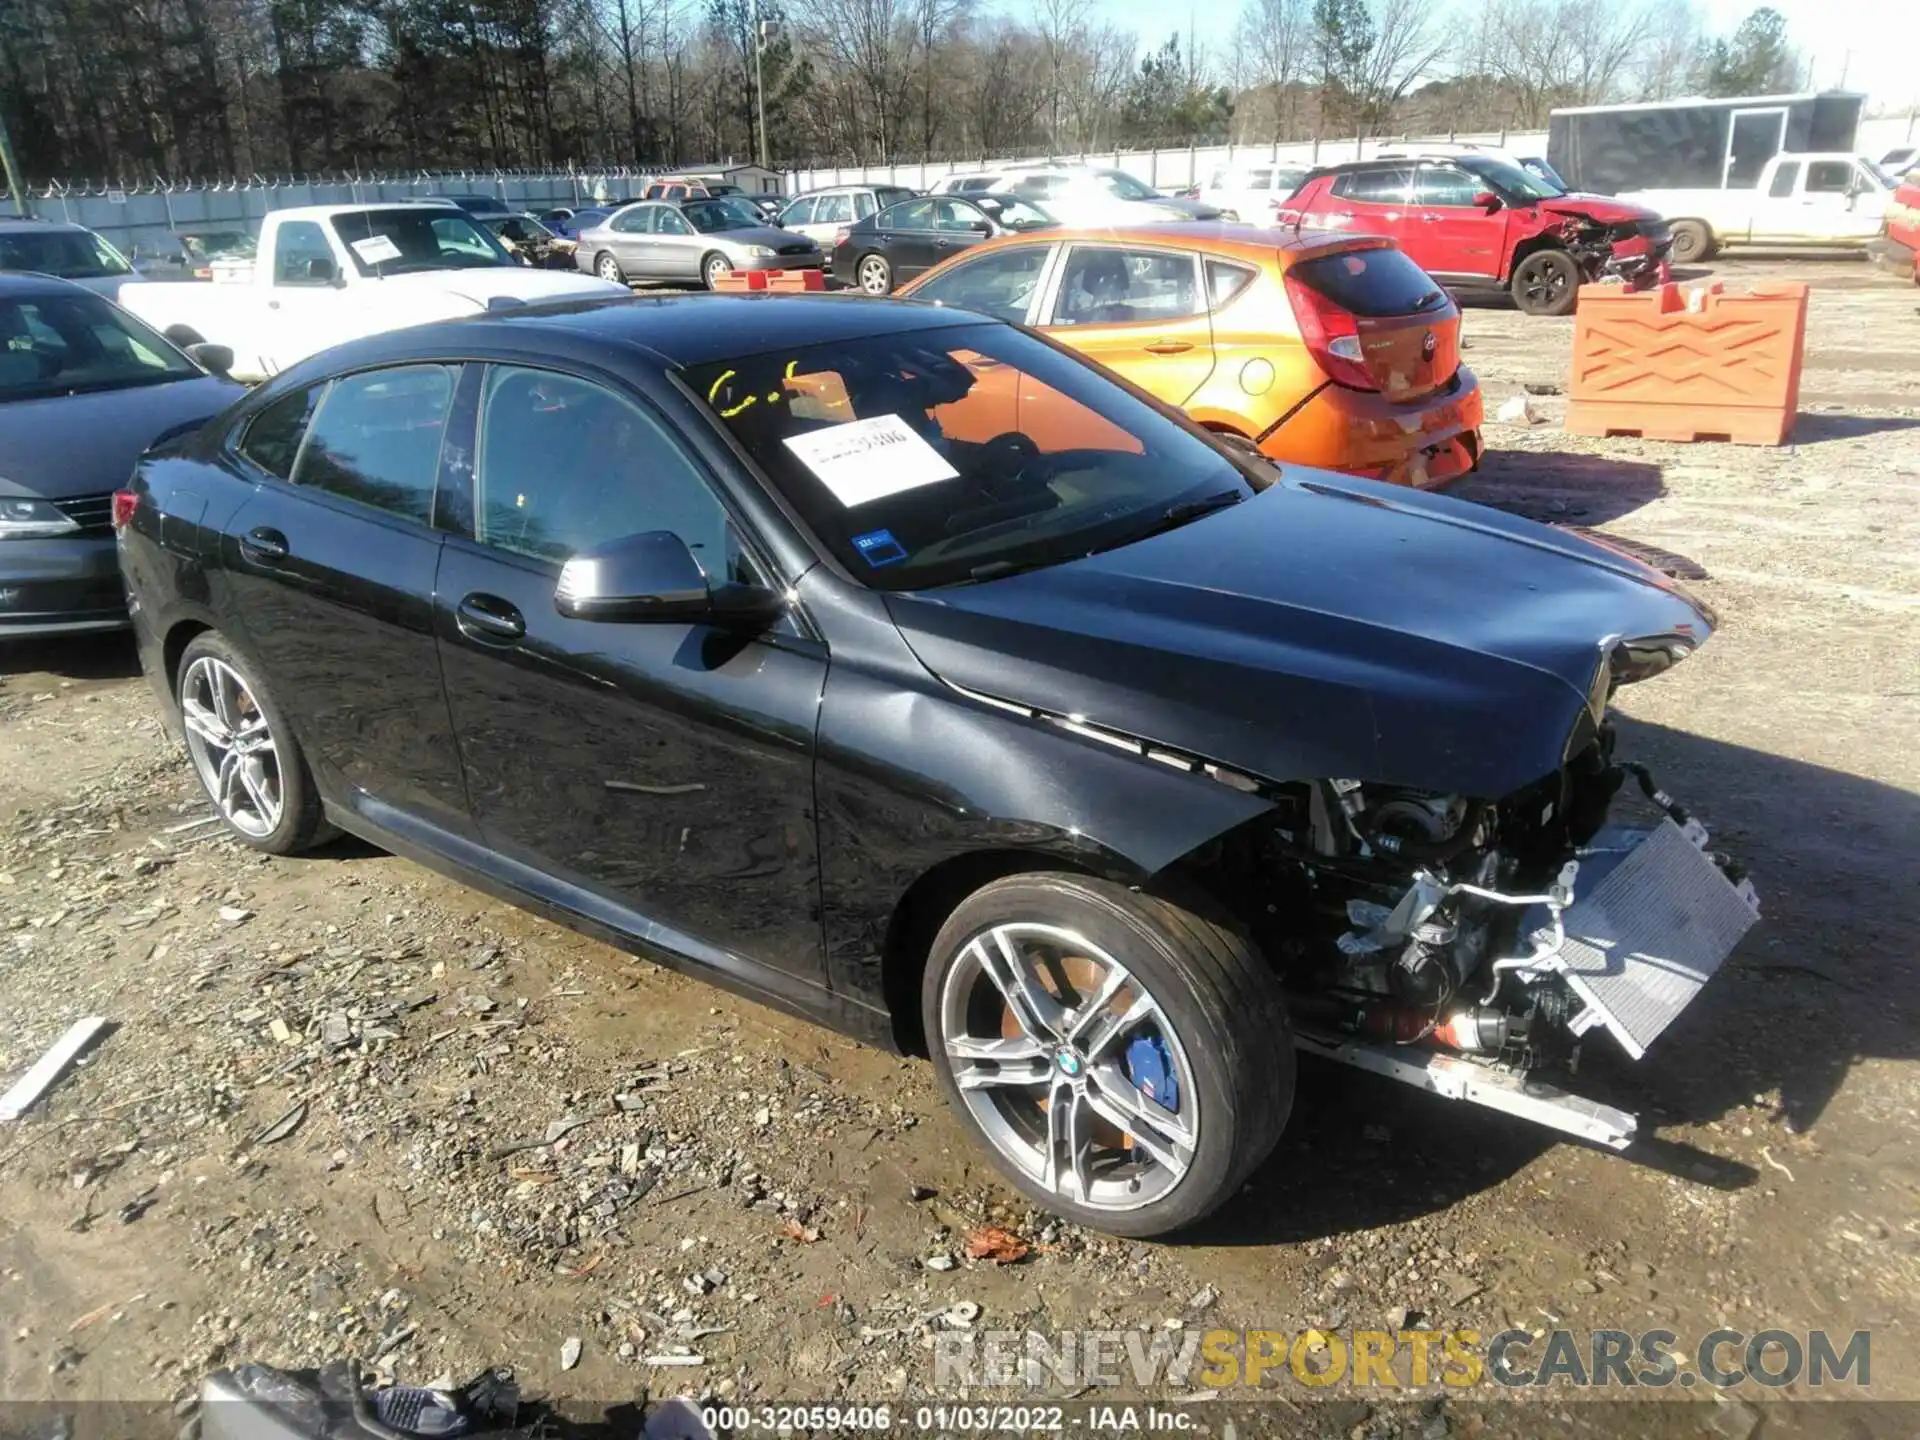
(1480, 222)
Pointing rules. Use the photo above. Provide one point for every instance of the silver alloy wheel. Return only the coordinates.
(232, 746)
(874, 278)
(1033, 1020)
(718, 268)
(610, 270)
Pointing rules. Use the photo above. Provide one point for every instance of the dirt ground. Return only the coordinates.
(336, 1114)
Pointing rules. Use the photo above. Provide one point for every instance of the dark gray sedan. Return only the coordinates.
(691, 242)
(84, 389)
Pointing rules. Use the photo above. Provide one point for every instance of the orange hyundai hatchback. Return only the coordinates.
(1322, 349)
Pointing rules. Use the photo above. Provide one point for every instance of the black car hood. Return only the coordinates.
(1328, 627)
(67, 445)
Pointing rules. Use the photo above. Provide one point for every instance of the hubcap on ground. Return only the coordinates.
(232, 747)
(1041, 1029)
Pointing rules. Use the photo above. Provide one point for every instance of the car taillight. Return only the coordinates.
(1331, 336)
(124, 504)
(842, 235)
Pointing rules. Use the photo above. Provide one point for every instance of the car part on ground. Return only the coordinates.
(1045, 762)
(1319, 349)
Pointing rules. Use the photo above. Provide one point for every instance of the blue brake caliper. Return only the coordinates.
(1151, 1069)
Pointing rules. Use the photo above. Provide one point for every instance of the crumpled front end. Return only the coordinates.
(1632, 253)
(1473, 946)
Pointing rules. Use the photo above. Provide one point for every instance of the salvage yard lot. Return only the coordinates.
(765, 1195)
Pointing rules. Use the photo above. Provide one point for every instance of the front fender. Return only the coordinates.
(911, 774)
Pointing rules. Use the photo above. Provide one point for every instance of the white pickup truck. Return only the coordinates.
(1830, 200)
(331, 273)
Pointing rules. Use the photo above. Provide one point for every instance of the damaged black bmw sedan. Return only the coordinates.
(904, 670)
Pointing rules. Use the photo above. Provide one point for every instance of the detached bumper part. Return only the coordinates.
(1653, 917)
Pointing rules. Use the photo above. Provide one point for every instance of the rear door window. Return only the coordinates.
(1371, 282)
(271, 440)
(863, 205)
(376, 438)
(913, 215)
(833, 210)
(1374, 187)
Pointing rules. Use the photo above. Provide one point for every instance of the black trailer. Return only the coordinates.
(1694, 144)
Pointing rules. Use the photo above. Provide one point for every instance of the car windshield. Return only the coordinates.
(67, 344)
(1123, 186)
(404, 240)
(69, 254)
(944, 456)
(724, 213)
(1510, 180)
(1879, 174)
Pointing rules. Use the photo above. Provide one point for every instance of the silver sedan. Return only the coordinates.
(690, 241)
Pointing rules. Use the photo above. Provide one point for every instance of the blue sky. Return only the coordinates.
(1875, 43)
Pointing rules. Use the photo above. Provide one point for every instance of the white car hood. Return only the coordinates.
(514, 282)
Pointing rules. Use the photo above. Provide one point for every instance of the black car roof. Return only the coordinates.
(678, 329)
(15, 283)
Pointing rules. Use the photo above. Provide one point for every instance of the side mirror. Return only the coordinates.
(215, 358)
(1487, 201)
(980, 227)
(654, 578)
(322, 268)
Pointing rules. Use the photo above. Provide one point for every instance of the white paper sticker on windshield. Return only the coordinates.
(376, 248)
(864, 460)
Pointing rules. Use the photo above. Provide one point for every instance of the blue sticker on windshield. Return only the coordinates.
(878, 547)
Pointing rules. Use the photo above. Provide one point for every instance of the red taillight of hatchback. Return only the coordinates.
(125, 502)
(1331, 335)
(841, 236)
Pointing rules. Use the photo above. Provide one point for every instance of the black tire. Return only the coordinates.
(607, 266)
(872, 275)
(302, 820)
(1547, 282)
(713, 267)
(1224, 1005)
(1692, 242)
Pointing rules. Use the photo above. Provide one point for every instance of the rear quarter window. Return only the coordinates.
(271, 439)
(1371, 282)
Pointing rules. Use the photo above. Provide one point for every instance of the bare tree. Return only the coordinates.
(1271, 44)
(1063, 29)
(1563, 52)
(1407, 39)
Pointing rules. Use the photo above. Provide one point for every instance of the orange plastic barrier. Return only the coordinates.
(1721, 367)
(778, 280)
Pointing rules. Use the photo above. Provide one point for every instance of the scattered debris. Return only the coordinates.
(234, 914)
(570, 1352)
(280, 1129)
(1002, 1247)
(794, 1230)
(28, 1089)
(940, 1262)
(1519, 410)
